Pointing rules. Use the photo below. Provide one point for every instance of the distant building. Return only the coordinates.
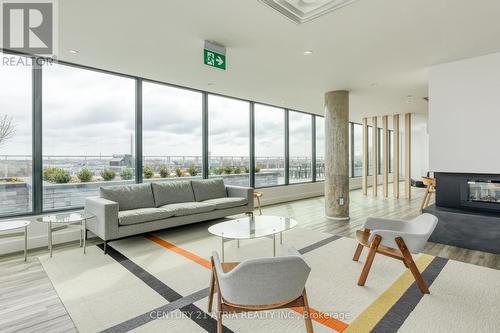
(119, 162)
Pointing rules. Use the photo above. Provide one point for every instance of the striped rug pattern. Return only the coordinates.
(159, 282)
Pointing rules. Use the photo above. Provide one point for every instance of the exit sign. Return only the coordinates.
(214, 55)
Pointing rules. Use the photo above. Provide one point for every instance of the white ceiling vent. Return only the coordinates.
(301, 11)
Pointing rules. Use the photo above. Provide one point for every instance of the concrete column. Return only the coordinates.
(337, 155)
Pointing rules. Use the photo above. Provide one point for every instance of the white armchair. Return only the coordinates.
(396, 239)
(260, 284)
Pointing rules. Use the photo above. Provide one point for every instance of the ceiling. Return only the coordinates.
(380, 50)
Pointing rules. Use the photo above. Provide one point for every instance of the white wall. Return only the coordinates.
(464, 115)
(419, 147)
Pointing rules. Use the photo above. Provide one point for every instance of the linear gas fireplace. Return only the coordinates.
(465, 191)
(468, 209)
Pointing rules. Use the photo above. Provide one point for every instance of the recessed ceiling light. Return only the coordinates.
(308, 52)
(210, 84)
(73, 51)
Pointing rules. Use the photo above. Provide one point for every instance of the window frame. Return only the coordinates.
(37, 112)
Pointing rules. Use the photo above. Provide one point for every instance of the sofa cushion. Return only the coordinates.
(171, 192)
(189, 208)
(208, 189)
(129, 196)
(141, 215)
(223, 203)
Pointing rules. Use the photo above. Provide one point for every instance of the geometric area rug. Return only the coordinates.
(159, 283)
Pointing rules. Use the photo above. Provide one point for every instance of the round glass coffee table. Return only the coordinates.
(64, 220)
(13, 225)
(252, 227)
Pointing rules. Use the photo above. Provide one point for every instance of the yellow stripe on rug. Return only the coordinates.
(367, 320)
(319, 317)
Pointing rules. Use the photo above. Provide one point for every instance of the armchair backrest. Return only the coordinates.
(422, 227)
(263, 281)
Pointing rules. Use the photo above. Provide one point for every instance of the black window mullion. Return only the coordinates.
(138, 131)
(204, 139)
(252, 145)
(352, 149)
(313, 122)
(37, 154)
(287, 148)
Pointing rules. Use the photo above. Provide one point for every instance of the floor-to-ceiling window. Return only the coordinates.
(379, 150)
(358, 150)
(269, 145)
(390, 138)
(320, 148)
(172, 132)
(15, 135)
(89, 122)
(351, 147)
(370, 150)
(229, 139)
(88, 134)
(300, 147)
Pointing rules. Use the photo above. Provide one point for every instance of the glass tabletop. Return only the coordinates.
(11, 225)
(64, 218)
(252, 227)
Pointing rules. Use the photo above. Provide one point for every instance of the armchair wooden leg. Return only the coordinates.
(411, 265)
(211, 292)
(219, 313)
(369, 260)
(424, 201)
(307, 314)
(357, 253)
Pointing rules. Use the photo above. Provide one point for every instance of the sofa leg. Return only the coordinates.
(250, 214)
(105, 247)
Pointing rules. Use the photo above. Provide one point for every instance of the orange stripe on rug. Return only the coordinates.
(193, 257)
(318, 316)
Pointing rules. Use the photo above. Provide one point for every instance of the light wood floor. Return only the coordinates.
(29, 303)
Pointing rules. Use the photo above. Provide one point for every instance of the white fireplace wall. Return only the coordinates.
(464, 116)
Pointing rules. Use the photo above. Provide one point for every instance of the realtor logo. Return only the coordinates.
(29, 27)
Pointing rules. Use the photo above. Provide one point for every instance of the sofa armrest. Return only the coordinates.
(105, 223)
(241, 192)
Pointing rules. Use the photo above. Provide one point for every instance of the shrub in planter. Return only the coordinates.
(85, 175)
(193, 170)
(227, 170)
(164, 172)
(48, 174)
(237, 170)
(108, 174)
(56, 175)
(246, 169)
(148, 172)
(61, 176)
(179, 172)
(257, 169)
(127, 174)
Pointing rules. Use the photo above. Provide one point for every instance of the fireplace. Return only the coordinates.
(481, 194)
(468, 209)
(468, 191)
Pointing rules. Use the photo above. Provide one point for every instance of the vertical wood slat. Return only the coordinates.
(408, 156)
(385, 154)
(375, 156)
(365, 157)
(395, 161)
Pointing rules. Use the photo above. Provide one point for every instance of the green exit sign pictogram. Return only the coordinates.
(214, 59)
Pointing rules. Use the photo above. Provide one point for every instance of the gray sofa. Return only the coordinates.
(127, 210)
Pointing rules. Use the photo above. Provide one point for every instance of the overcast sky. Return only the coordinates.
(91, 113)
